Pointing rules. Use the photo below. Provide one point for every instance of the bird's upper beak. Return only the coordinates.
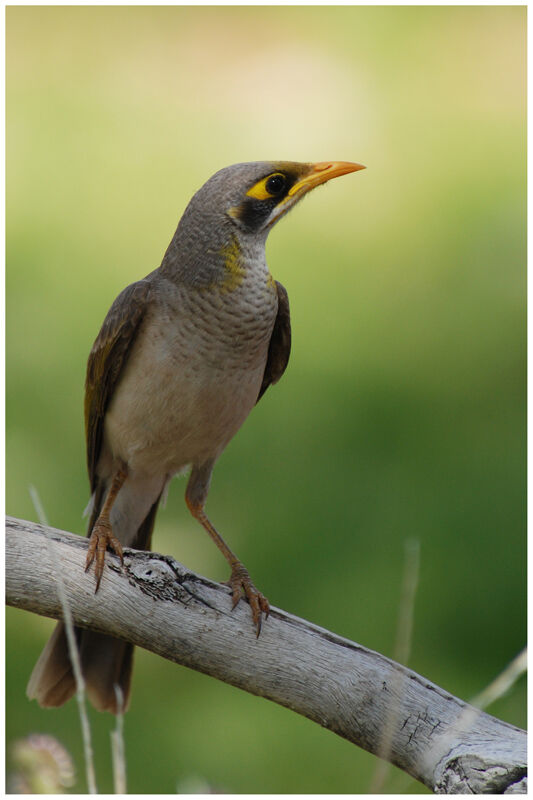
(320, 173)
(312, 175)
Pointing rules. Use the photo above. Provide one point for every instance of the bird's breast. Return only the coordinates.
(223, 327)
(193, 376)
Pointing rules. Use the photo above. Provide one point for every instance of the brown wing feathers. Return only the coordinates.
(107, 359)
(279, 348)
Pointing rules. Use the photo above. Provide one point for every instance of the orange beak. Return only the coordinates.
(312, 177)
(322, 172)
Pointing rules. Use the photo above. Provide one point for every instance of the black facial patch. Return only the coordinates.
(252, 213)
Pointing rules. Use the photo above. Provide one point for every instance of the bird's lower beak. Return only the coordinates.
(311, 177)
(322, 172)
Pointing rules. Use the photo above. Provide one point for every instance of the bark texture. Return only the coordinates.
(156, 603)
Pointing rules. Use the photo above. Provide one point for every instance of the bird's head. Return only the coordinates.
(245, 200)
(256, 195)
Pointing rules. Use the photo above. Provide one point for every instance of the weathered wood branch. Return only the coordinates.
(158, 604)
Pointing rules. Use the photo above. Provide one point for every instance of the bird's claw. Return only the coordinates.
(101, 538)
(240, 582)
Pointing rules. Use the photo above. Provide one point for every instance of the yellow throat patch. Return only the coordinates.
(235, 271)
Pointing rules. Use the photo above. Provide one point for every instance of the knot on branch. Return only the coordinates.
(159, 577)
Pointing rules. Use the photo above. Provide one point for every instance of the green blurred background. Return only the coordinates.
(402, 413)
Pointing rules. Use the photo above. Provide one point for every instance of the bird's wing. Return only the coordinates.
(107, 359)
(279, 348)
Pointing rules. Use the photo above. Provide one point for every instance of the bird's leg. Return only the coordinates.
(240, 580)
(102, 533)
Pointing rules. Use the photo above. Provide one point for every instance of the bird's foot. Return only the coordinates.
(101, 538)
(240, 582)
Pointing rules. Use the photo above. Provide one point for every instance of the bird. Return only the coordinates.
(182, 357)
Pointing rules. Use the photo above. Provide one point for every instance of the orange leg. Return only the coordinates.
(240, 579)
(102, 533)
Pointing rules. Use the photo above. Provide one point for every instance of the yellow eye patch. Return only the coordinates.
(268, 187)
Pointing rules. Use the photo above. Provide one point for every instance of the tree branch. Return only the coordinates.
(156, 603)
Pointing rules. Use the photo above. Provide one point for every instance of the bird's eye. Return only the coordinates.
(276, 183)
(269, 187)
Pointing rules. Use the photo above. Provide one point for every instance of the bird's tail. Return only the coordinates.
(105, 662)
